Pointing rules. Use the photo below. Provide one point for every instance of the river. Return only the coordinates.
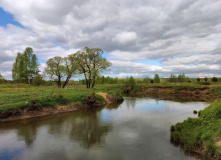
(137, 129)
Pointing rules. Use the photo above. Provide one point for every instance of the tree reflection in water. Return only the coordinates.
(27, 133)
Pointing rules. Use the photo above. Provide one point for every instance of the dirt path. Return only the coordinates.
(105, 97)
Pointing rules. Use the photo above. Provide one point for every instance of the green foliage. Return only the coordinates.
(2, 79)
(214, 79)
(204, 83)
(38, 80)
(205, 79)
(194, 132)
(25, 65)
(130, 82)
(55, 69)
(156, 78)
(90, 64)
(216, 90)
(198, 79)
(195, 112)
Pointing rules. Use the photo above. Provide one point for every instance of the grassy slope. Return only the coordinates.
(201, 134)
(14, 97)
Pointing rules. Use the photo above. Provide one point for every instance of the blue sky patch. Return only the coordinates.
(150, 62)
(7, 18)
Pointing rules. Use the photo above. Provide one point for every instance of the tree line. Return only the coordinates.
(87, 61)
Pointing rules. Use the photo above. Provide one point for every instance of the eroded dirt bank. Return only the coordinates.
(71, 107)
(171, 90)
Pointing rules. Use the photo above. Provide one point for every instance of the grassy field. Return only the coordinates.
(13, 97)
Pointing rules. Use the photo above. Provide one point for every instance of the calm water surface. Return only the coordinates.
(137, 129)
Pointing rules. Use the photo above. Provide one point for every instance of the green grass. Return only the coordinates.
(16, 97)
(203, 132)
(20, 96)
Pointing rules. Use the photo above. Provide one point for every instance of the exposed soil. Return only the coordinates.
(105, 95)
(170, 90)
(26, 114)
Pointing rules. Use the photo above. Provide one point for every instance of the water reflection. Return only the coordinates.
(27, 134)
(83, 127)
(138, 128)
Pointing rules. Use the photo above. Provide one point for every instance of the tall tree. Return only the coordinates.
(70, 67)
(25, 65)
(90, 64)
(156, 78)
(55, 69)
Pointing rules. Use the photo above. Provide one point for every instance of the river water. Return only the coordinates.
(137, 129)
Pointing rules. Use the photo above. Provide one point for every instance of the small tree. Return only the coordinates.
(156, 78)
(205, 79)
(214, 79)
(198, 79)
(130, 82)
(38, 80)
(2, 79)
(55, 69)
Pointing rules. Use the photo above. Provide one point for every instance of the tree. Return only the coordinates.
(131, 83)
(1, 77)
(198, 79)
(214, 79)
(90, 64)
(70, 68)
(38, 80)
(25, 66)
(156, 78)
(55, 69)
(205, 79)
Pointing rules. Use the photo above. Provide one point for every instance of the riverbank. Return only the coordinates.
(202, 93)
(91, 101)
(201, 135)
(25, 101)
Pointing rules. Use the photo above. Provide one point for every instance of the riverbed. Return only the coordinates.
(138, 128)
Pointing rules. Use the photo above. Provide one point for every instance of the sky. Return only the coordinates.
(140, 38)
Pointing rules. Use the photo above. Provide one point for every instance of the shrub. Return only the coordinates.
(195, 112)
(214, 79)
(38, 80)
(172, 128)
(198, 79)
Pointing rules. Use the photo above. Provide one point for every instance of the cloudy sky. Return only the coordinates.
(140, 38)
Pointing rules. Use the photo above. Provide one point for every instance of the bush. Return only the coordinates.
(195, 112)
(38, 80)
(198, 79)
(214, 79)
(204, 83)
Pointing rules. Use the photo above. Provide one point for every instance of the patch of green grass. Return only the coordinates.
(216, 90)
(202, 132)
(16, 97)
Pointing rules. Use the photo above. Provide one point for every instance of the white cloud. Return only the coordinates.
(125, 37)
(183, 33)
